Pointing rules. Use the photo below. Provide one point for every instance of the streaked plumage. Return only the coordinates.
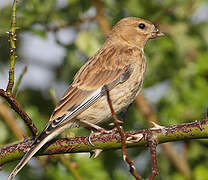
(118, 66)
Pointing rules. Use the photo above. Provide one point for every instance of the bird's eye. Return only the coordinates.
(141, 25)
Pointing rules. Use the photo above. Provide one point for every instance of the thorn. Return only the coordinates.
(134, 138)
(95, 153)
(156, 126)
(124, 157)
(133, 167)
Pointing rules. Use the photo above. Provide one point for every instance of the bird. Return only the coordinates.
(117, 67)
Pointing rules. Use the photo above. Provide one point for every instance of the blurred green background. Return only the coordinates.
(54, 39)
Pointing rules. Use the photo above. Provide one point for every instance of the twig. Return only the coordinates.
(12, 42)
(19, 81)
(16, 107)
(123, 140)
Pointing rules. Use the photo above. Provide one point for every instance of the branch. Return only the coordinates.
(195, 130)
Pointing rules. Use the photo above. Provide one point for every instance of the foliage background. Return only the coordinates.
(54, 43)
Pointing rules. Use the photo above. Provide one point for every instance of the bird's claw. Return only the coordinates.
(101, 131)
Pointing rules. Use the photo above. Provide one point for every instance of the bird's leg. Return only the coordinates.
(98, 128)
(94, 126)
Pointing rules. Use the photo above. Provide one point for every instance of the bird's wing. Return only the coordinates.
(108, 67)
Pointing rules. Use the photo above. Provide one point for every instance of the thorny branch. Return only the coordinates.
(195, 130)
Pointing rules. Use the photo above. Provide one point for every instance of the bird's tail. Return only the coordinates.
(35, 147)
(47, 134)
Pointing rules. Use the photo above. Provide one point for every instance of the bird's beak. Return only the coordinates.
(156, 33)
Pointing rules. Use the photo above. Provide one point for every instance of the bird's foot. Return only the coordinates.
(101, 131)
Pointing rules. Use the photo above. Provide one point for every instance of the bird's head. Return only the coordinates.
(134, 31)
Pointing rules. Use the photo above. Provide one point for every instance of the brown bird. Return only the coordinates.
(119, 67)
